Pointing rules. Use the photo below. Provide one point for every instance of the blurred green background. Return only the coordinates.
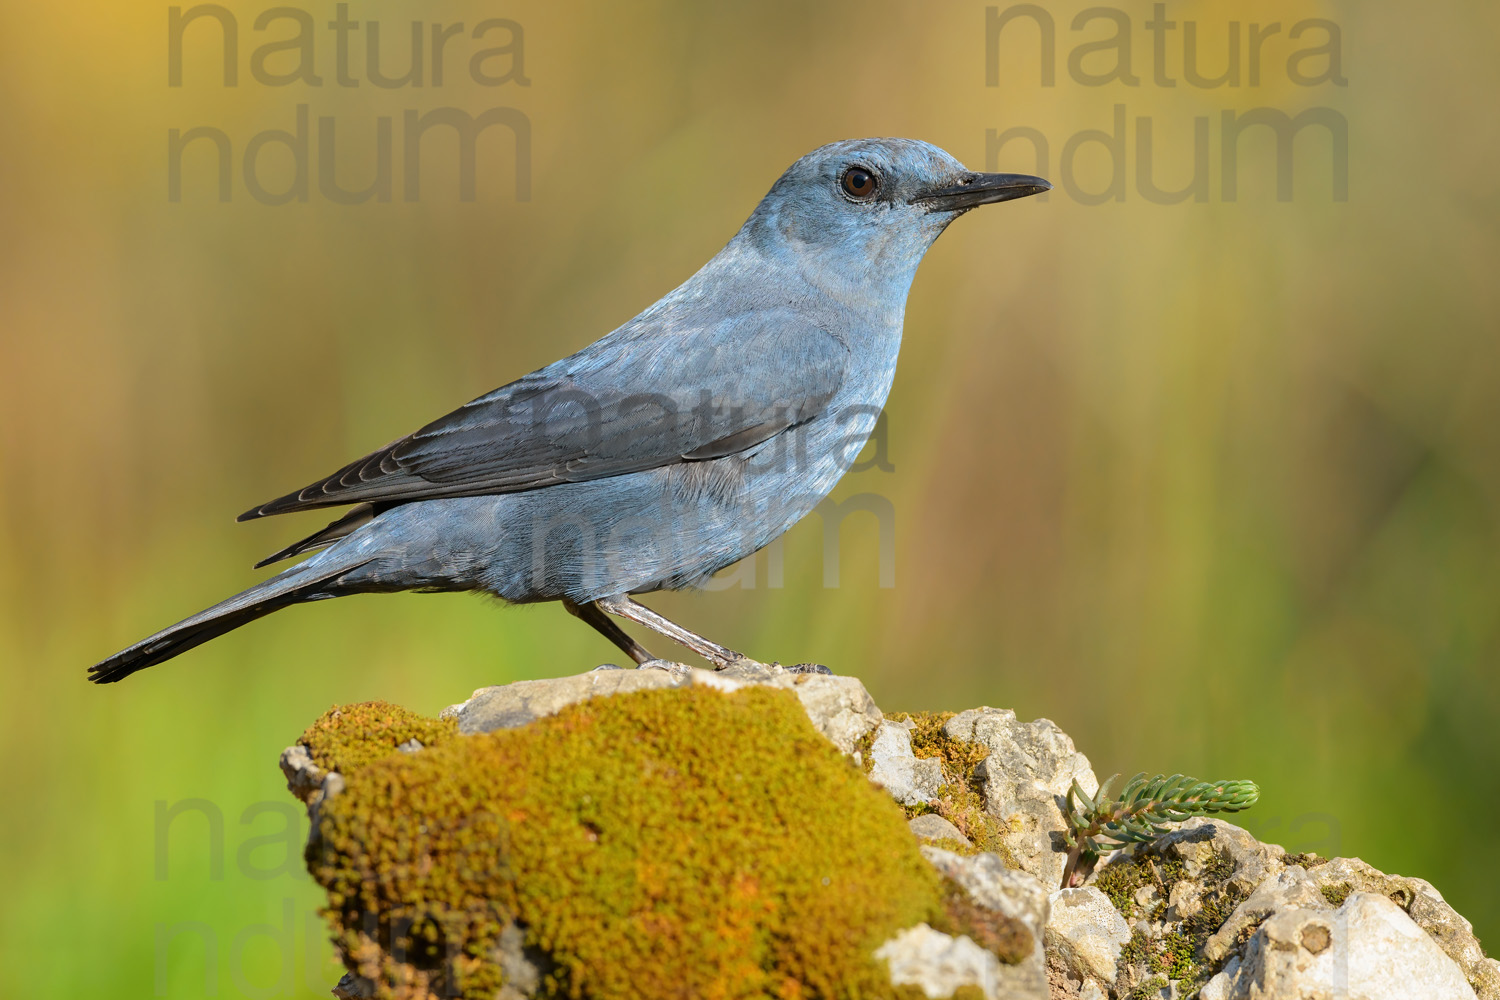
(1212, 484)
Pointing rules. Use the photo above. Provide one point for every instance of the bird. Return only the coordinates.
(669, 449)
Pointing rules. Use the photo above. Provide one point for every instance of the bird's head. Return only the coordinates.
(868, 209)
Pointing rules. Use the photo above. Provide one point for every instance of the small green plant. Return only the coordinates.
(1099, 824)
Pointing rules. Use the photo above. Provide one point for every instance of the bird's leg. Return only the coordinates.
(600, 621)
(623, 606)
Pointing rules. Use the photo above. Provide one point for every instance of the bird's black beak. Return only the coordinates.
(981, 189)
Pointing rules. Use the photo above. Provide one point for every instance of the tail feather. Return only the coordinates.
(358, 517)
(292, 586)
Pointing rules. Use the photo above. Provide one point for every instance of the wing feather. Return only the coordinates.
(641, 398)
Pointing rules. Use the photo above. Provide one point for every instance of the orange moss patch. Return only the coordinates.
(350, 736)
(684, 843)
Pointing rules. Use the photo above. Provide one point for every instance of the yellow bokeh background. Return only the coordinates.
(1213, 485)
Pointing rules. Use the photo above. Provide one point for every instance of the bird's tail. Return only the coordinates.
(304, 582)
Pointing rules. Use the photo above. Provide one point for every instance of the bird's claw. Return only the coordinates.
(738, 659)
(660, 664)
(807, 668)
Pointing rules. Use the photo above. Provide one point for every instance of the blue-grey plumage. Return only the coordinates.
(674, 446)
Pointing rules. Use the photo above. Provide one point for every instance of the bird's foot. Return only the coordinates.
(607, 666)
(733, 659)
(807, 668)
(660, 664)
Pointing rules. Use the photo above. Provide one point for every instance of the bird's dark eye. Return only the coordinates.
(859, 183)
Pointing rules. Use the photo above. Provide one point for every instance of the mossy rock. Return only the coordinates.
(961, 800)
(1178, 954)
(686, 843)
(348, 737)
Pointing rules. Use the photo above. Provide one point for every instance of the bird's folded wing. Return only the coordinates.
(639, 399)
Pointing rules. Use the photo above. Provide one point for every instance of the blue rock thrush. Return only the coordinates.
(667, 450)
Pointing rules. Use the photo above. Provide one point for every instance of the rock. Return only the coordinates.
(1228, 917)
(1085, 933)
(1218, 987)
(1289, 889)
(1426, 906)
(311, 784)
(839, 707)
(939, 964)
(1368, 949)
(508, 706)
(911, 780)
(1025, 781)
(930, 826)
(992, 885)
(1012, 894)
(1236, 910)
(1202, 843)
(304, 779)
(522, 965)
(1185, 902)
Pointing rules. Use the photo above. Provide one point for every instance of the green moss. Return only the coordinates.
(1217, 870)
(1217, 906)
(350, 736)
(663, 843)
(862, 747)
(911, 992)
(1176, 955)
(1137, 950)
(963, 993)
(960, 800)
(928, 739)
(1149, 989)
(1336, 894)
(1120, 879)
(1308, 860)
